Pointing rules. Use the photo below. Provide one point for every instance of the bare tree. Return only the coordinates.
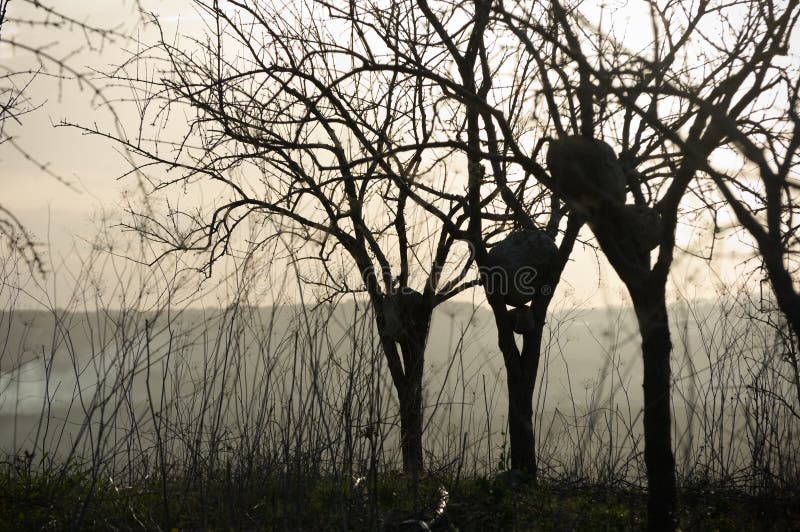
(760, 123)
(279, 124)
(665, 105)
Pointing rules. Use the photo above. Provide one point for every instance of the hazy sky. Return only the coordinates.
(65, 215)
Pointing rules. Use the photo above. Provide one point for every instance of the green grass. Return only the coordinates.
(274, 501)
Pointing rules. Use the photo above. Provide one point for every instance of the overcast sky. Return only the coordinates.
(66, 214)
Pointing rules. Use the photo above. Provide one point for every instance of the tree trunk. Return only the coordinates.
(788, 302)
(404, 320)
(651, 312)
(522, 367)
(520, 424)
(783, 287)
(648, 292)
(409, 392)
(410, 398)
(521, 373)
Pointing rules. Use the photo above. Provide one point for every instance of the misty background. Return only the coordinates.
(131, 359)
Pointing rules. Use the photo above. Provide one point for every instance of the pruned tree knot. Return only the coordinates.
(519, 266)
(587, 174)
(524, 319)
(593, 181)
(407, 314)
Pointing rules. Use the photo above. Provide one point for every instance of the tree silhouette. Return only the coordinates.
(278, 125)
(664, 105)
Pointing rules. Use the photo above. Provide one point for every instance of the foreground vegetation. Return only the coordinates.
(232, 499)
(146, 416)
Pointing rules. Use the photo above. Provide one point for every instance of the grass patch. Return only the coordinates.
(69, 499)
